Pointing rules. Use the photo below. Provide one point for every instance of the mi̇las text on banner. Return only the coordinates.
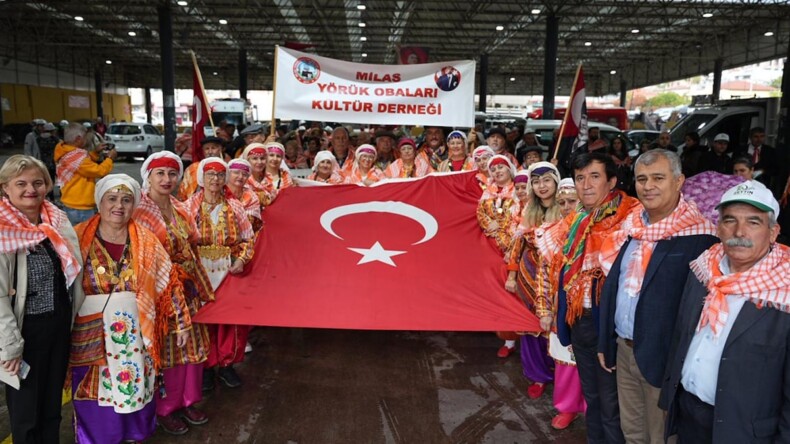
(400, 256)
(310, 87)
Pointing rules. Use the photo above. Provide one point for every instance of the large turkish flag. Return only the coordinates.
(399, 256)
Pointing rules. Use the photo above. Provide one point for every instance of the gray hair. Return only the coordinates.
(650, 157)
(73, 131)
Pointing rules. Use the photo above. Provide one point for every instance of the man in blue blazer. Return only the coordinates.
(642, 291)
(728, 372)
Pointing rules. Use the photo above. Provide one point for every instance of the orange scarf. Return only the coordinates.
(150, 216)
(68, 165)
(767, 283)
(152, 268)
(242, 221)
(18, 234)
(685, 220)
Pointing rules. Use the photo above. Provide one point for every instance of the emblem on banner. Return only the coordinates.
(447, 78)
(377, 253)
(306, 70)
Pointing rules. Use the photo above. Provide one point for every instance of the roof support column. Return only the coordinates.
(481, 105)
(168, 75)
(243, 74)
(623, 93)
(148, 104)
(99, 93)
(717, 68)
(783, 139)
(550, 65)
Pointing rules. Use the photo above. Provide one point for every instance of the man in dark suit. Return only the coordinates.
(642, 290)
(728, 373)
(767, 165)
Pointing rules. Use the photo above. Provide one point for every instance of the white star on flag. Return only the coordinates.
(376, 253)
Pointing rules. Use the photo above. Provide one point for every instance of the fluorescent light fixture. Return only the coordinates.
(612, 72)
(707, 15)
(132, 33)
(361, 7)
(361, 24)
(215, 73)
(535, 11)
(587, 43)
(363, 38)
(512, 79)
(79, 18)
(768, 34)
(364, 54)
(182, 3)
(223, 22)
(500, 28)
(109, 62)
(634, 31)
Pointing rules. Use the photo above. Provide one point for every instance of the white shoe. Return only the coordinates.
(248, 348)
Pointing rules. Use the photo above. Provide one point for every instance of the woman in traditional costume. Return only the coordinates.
(409, 164)
(542, 207)
(481, 155)
(498, 216)
(268, 177)
(524, 279)
(326, 169)
(457, 158)
(364, 171)
(120, 329)
(185, 346)
(225, 245)
(240, 172)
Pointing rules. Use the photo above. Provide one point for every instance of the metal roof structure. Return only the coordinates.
(641, 42)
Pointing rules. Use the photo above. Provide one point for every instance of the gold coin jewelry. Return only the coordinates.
(100, 269)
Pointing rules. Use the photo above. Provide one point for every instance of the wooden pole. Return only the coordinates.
(274, 89)
(567, 113)
(203, 91)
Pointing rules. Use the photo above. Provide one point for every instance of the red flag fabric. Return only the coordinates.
(200, 115)
(399, 256)
(573, 132)
(410, 55)
(299, 46)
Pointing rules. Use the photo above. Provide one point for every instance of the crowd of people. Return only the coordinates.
(648, 311)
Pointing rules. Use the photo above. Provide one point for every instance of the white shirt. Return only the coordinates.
(700, 372)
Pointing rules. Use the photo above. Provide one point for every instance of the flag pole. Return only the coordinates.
(567, 113)
(202, 90)
(274, 89)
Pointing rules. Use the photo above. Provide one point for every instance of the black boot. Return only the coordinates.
(208, 379)
(229, 377)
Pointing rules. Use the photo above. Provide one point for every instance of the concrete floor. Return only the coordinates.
(340, 386)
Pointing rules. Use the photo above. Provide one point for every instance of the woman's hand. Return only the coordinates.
(237, 267)
(545, 323)
(12, 366)
(510, 285)
(181, 339)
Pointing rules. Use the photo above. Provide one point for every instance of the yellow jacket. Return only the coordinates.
(78, 192)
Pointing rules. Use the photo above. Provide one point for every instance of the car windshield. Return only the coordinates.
(691, 123)
(124, 130)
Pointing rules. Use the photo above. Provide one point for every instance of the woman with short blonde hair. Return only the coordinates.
(39, 265)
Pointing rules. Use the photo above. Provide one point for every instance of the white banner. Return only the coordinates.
(310, 87)
(79, 102)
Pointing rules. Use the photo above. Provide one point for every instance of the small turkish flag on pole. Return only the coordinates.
(573, 131)
(399, 256)
(201, 117)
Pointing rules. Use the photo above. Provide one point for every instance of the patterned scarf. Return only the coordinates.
(685, 220)
(767, 283)
(150, 216)
(580, 227)
(421, 168)
(68, 165)
(153, 286)
(239, 213)
(249, 200)
(18, 234)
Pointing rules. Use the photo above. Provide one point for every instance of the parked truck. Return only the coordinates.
(732, 117)
(234, 111)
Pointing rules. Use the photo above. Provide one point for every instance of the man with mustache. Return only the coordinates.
(646, 262)
(728, 375)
